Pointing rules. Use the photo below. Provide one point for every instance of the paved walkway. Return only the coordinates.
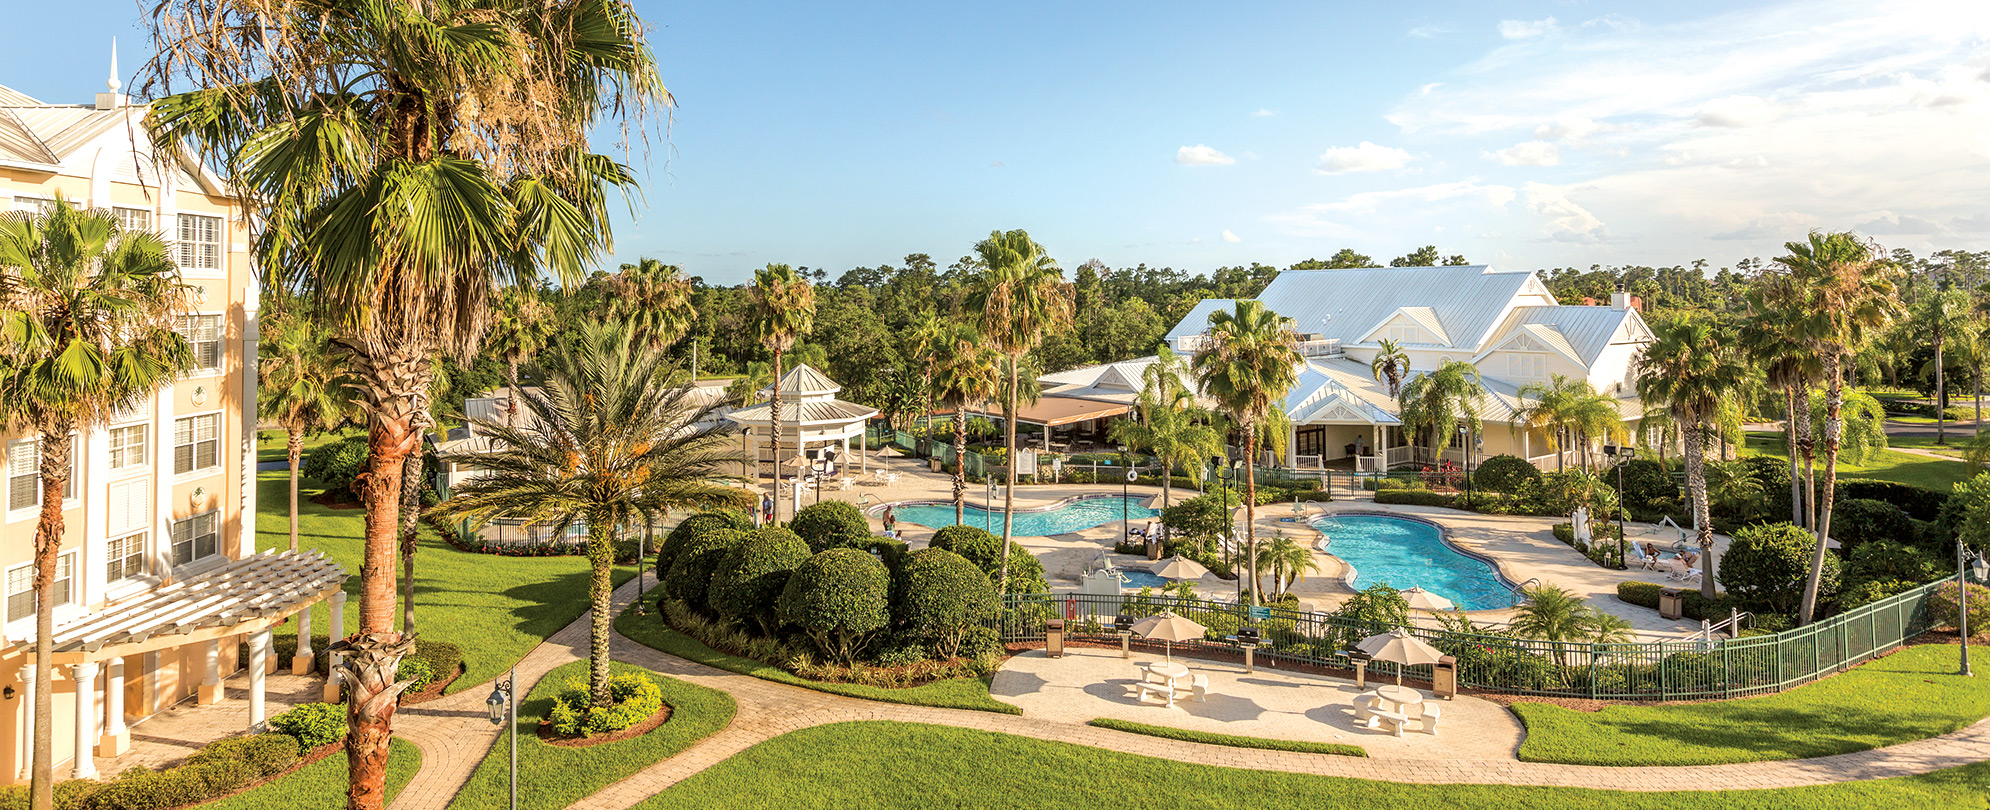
(454, 736)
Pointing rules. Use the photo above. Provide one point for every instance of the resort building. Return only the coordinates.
(813, 422)
(157, 584)
(1505, 323)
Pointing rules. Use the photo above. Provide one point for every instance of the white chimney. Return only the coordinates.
(113, 99)
(1620, 300)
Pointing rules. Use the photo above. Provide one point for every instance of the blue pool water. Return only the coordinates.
(1405, 553)
(1071, 517)
(1143, 579)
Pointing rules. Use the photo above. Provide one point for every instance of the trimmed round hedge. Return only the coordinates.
(1505, 473)
(985, 551)
(691, 528)
(839, 598)
(942, 597)
(831, 524)
(690, 577)
(747, 583)
(1766, 566)
(336, 464)
(1644, 481)
(1857, 521)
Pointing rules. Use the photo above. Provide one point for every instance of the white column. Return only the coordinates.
(210, 675)
(336, 631)
(258, 664)
(300, 664)
(1291, 446)
(245, 418)
(28, 724)
(117, 738)
(86, 719)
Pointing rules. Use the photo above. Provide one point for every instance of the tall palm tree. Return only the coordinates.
(1688, 369)
(1846, 291)
(1247, 366)
(1944, 316)
(1166, 380)
(1596, 417)
(1389, 366)
(611, 444)
(405, 160)
(1437, 403)
(783, 311)
(1772, 342)
(655, 298)
(962, 371)
(86, 333)
(1020, 295)
(520, 329)
(1168, 432)
(301, 387)
(1554, 408)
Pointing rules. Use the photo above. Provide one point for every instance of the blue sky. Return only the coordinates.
(1528, 134)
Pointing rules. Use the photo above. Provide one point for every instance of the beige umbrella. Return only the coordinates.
(1399, 647)
(1421, 599)
(1168, 627)
(1178, 567)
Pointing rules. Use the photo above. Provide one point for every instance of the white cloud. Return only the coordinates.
(1573, 129)
(1427, 31)
(1201, 155)
(1889, 224)
(1525, 29)
(1365, 157)
(1529, 153)
(1567, 221)
(1735, 111)
(1263, 113)
(1231, 237)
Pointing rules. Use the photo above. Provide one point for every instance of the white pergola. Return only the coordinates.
(811, 417)
(249, 595)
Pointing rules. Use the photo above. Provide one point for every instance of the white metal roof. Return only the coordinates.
(1466, 301)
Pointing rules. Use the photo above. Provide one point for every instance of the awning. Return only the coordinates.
(1051, 411)
(250, 594)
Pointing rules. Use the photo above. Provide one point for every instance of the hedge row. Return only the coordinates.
(216, 770)
(1693, 605)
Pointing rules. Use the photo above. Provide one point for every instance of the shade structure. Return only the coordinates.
(1421, 599)
(1169, 628)
(1178, 567)
(1399, 647)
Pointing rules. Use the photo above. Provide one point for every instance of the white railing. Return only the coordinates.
(1569, 458)
(1318, 348)
(1401, 455)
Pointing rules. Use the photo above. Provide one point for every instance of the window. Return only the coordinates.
(128, 447)
(196, 443)
(21, 587)
(200, 242)
(1527, 366)
(1405, 334)
(133, 220)
(203, 335)
(34, 205)
(124, 557)
(23, 479)
(196, 538)
(130, 506)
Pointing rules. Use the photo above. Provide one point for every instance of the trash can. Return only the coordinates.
(1053, 638)
(934, 464)
(1671, 603)
(1444, 677)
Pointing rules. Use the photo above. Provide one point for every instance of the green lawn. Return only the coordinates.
(1910, 695)
(1232, 740)
(649, 630)
(899, 765)
(321, 785)
(270, 443)
(1956, 438)
(496, 608)
(1889, 465)
(551, 776)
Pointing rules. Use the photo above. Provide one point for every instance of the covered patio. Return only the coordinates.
(1067, 424)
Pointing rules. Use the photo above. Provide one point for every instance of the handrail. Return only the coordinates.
(1732, 624)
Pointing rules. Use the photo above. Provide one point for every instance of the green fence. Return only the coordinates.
(1642, 671)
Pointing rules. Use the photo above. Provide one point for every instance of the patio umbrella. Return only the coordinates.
(1169, 628)
(1178, 567)
(1421, 599)
(1399, 647)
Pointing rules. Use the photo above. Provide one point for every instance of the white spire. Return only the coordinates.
(113, 84)
(111, 99)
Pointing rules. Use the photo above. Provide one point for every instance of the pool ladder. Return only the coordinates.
(1518, 597)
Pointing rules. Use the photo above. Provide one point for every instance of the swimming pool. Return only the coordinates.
(1131, 578)
(1403, 553)
(1077, 515)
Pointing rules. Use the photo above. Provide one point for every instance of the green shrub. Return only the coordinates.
(416, 670)
(1559, 493)
(943, 596)
(312, 725)
(1866, 592)
(1943, 612)
(1925, 504)
(985, 551)
(262, 754)
(1645, 482)
(690, 577)
(1773, 473)
(1691, 604)
(748, 580)
(1766, 566)
(444, 659)
(336, 465)
(839, 599)
(1505, 473)
(144, 789)
(1881, 561)
(1858, 521)
(70, 794)
(1417, 497)
(692, 528)
(831, 524)
(635, 698)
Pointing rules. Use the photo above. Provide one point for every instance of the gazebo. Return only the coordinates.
(811, 418)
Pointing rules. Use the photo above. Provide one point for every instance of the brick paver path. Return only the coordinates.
(454, 735)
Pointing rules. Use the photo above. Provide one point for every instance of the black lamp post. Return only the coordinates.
(1125, 527)
(1963, 567)
(502, 705)
(1465, 444)
(1621, 454)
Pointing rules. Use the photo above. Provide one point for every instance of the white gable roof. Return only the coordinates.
(1464, 303)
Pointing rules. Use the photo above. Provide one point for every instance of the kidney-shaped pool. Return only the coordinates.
(1404, 553)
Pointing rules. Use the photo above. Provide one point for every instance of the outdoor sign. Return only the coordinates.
(1260, 612)
(1025, 461)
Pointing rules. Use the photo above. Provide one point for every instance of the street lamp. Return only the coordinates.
(988, 514)
(1125, 515)
(1465, 444)
(1963, 555)
(1622, 454)
(502, 705)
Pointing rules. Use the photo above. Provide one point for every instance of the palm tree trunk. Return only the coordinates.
(411, 485)
(1790, 444)
(1009, 474)
(1251, 506)
(1834, 400)
(600, 587)
(293, 441)
(774, 416)
(1807, 443)
(511, 402)
(1941, 395)
(960, 464)
(48, 548)
(1696, 490)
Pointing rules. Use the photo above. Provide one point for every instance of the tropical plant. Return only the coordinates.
(1845, 289)
(86, 333)
(1561, 617)
(611, 446)
(520, 330)
(960, 370)
(1247, 365)
(1436, 404)
(1554, 407)
(655, 298)
(1289, 562)
(1944, 316)
(1976, 451)
(1389, 366)
(1786, 364)
(405, 159)
(1170, 434)
(1020, 295)
(783, 311)
(302, 388)
(1688, 369)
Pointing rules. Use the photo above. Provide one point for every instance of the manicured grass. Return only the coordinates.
(551, 776)
(1909, 695)
(496, 608)
(1956, 438)
(321, 785)
(1889, 465)
(900, 765)
(271, 447)
(649, 630)
(1232, 740)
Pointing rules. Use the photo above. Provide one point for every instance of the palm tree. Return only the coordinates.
(1595, 416)
(301, 387)
(783, 311)
(1561, 617)
(1439, 402)
(1171, 435)
(1020, 295)
(1289, 562)
(1976, 451)
(86, 333)
(1554, 408)
(611, 444)
(962, 371)
(655, 299)
(406, 159)
(1247, 366)
(1945, 316)
(1688, 369)
(1845, 289)
(1786, 364)
(1166, 380)
(520, 330)
(1389, 365)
